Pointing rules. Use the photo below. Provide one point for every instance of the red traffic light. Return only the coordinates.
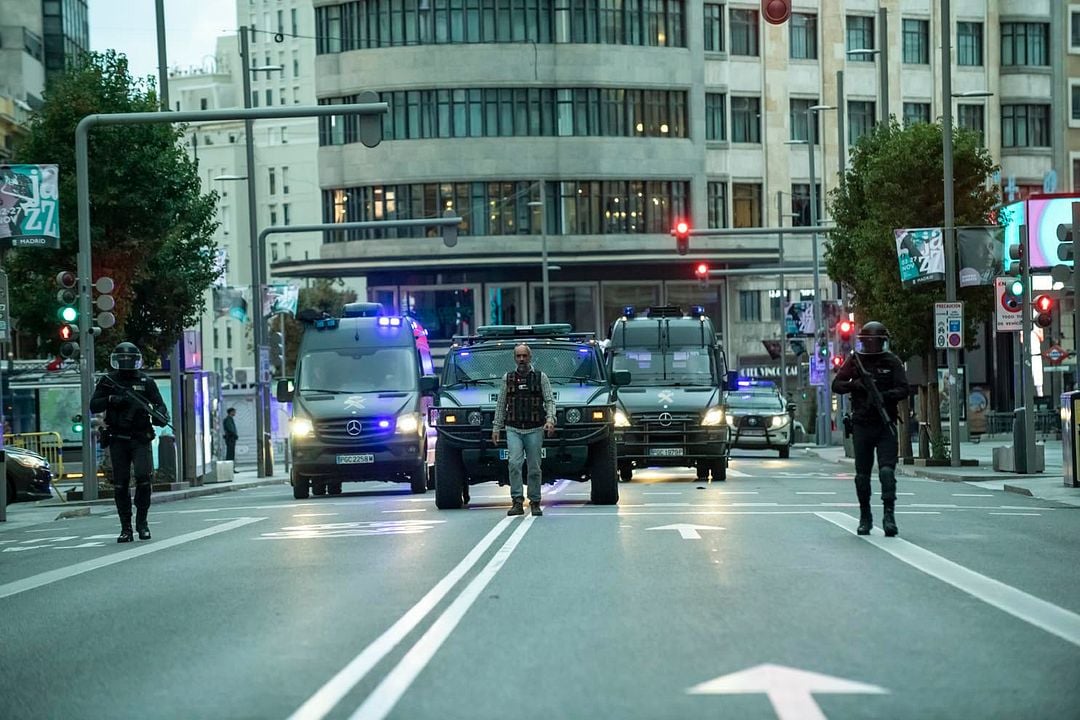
(67, 332)
(1044, 303)
(66, 279)
(682, 237)
(776, 12)
(845, 328)
(682, 229)
(837, 361)
(702, 270)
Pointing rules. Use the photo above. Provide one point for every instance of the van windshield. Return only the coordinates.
(563, 364)
(688, 366)
(358, 370)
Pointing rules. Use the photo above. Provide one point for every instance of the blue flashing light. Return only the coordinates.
(583, 349)
(697, 310)
(389, 321)
(464, 353)
(628, 312)
(326, 323)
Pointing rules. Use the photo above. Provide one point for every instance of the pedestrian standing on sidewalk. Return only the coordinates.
(526, 409)
(229, 427)
(132, 405)
(876, 380)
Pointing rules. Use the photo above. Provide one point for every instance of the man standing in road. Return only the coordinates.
(229, 427)
(526, 406)
(876, 380)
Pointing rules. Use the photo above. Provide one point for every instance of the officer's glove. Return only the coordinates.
(116, 400)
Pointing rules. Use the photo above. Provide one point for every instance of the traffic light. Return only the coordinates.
(449, 232)
(105, 303)
(845, 332)
(701, 271)
(776, 12)
(69, 341)
(67, 296)
(837, 361)
(682, 236)
(371, 129)
(277, 351)
(1065, 249)
(77, 424)
(1044, 306)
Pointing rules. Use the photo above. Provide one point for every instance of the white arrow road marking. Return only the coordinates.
(1051, 618)
(790, 690)
(687, 531)
(81, 545)
(353, 529)
(45, 578)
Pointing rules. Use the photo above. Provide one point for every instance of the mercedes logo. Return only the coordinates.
(353, 427)
(665, 419)
(752, 421)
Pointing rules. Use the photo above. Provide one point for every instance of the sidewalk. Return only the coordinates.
(1048, 485)
(25, 514)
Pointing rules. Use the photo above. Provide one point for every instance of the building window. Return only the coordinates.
(717, 204)
(803, 36)
(1025, 126)
(971, 117)
(217, 339)
(273, 252)
(800, 121)
(800, 204)
(284, 180)
(273, 181)
(860, 119)
(1025, 44)
(254, 98)
(714, 27)
(296, 67)
(202, 103)
(273, 215)
(1074, 103)
(744, 32)
(1074, 30)
(746, 119)
(750, 306)
(746, 204)
(860, 36)
(1075, 174)
(228, 337)
(969, 44)
(292, 16)
(915, 112)
(269, 97)
(715, 116)
(917, 42)
(286, 216)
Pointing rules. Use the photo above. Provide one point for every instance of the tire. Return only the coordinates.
(333, 488)
(719, 470)
(703, 468)
(318, 488)
(300, 485)
(449, 477)
(10, 491)
(626, 472)
(418, 478)
(431, 477)
(785, 452)
(604, 472)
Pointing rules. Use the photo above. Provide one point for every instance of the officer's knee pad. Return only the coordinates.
(143, 481)
(888, 475)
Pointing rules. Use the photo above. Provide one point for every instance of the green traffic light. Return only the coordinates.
(1016, 287)
(77, 428)
(69, 314)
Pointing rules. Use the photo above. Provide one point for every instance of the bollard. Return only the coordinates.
(167, 457)
(1020, 461)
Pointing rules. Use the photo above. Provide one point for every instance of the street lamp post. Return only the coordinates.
(544, 268)
(949, 221)
(824, 392)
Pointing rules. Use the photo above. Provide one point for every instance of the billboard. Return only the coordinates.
(921, 255)
(29, 206)
(981, 252)
(1042, 214)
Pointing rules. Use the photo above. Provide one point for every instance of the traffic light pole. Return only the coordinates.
(1076, 295)
(783, 297)
(824, 392)
(1027, 379)
(950, 231)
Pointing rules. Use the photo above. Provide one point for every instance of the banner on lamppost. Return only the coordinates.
(281, 298)
(921, 254)
(982, 250)
(229, 300)
(29, 206)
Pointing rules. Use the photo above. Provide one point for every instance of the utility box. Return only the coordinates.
(1070, 437)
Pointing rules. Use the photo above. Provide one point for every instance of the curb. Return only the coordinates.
(1018, 490)
(173, 495)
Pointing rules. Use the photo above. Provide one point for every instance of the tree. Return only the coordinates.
(323, 295)
(151, 227)
(893, 181)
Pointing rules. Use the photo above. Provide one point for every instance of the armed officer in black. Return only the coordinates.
(132, 404)
(874, 418)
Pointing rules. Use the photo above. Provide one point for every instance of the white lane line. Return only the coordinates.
(933, 505)
(383, 699)
(815, 492)
(737, 473)
(316, 514)
(407, 510)
(973, 495)
(1023, 514)
(737, 492)
(667, 504)
(576, 494)
(664, 492)
(905, 493)
(45, 578)
(330, 694)
(1047, 616)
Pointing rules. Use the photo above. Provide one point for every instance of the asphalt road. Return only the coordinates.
(746, 599)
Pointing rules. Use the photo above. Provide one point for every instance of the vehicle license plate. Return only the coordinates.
(754, 431)
(666, 452)
(355, 459)
(504, 453)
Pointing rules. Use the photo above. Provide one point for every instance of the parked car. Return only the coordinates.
(29, 476)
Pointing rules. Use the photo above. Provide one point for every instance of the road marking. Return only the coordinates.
(45, 578)
(1051, 618)
(330, 694)
(316, 514)
(1024, 514)
(667, 504)
(406, 510)
(382, 700)
(81, 545)
(687, 531)
(737, 473)
(352, 529)
(973, 495)
(737, 492)
(905, 493)
(815, 492)
(933, 505)
(664, 492)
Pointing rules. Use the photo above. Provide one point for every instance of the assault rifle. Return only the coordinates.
(875, 395)
(159, 417)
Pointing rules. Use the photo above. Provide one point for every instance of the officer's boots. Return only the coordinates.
(517, 509)
(888, 523)
(125, 531)
(866, 520)
(142, 526)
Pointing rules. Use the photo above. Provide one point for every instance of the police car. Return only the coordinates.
(583, 447)
(760, 418)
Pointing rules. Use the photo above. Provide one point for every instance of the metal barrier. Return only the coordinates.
(47, 444)
(1047, 422)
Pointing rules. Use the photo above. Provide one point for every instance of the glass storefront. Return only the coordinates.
(576, 304)
(444, 312)
(618, 295)
(506, 304)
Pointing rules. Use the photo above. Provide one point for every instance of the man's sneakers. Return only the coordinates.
(534, 508)
(517, 509)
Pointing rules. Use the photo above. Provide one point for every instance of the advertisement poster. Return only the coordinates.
(921, 254)
(229, 300)
(29, 206)
(281, 298)
(981, 253)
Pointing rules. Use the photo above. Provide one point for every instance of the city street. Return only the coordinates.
(373, 604)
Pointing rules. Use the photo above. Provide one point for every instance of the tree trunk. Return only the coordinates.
(904, 407)
(924, 438)
(937, 443)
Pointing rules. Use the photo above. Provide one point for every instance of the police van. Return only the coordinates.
(673, 412)
(583, 447)
(360, 398)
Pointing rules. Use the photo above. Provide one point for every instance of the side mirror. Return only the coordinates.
(620, 378)
(731, 380)
(284, 390)
(429, 384)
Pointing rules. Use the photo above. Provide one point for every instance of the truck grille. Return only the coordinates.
(672, 429)
(339, 430)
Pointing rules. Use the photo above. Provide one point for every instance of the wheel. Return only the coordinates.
(10, 491)
(333, 488)
(418, 478)
(703, 469)
(719, 470)
(626, 472)
(300, 485)
(603, 472)
(449, 477)
(785, 452)
(318, 487)
(431, 477)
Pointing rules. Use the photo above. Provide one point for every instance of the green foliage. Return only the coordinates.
(894, 180)
(151, 227)
(326, 295)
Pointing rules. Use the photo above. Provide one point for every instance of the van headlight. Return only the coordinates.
(779, 421)
(621, 420)
(714, 417)
(408, 423)
(301, 427)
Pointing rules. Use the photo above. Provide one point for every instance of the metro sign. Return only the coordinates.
(1055, 354)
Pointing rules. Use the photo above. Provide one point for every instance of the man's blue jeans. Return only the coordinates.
(522, 445)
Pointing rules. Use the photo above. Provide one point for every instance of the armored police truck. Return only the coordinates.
(583, 447)
(673, 412)
(360, 400)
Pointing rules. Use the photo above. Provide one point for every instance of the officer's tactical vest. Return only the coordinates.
(524, 401)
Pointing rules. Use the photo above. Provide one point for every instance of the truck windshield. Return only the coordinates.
(358, 370)
(688, 366)
(755, 401)
(564, 365)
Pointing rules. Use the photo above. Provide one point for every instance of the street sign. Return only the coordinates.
(1007, 316)
(949, 325)
(817, 370)
(5, 312)
(266, 373)
(1055, 354)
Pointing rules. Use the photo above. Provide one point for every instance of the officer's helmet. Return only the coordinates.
(873, 339)
(126, 356)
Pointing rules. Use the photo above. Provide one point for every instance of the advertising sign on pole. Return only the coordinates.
(921, 254)
(29, 206)
(948, 325)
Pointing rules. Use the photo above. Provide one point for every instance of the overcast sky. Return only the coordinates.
(191, 30)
